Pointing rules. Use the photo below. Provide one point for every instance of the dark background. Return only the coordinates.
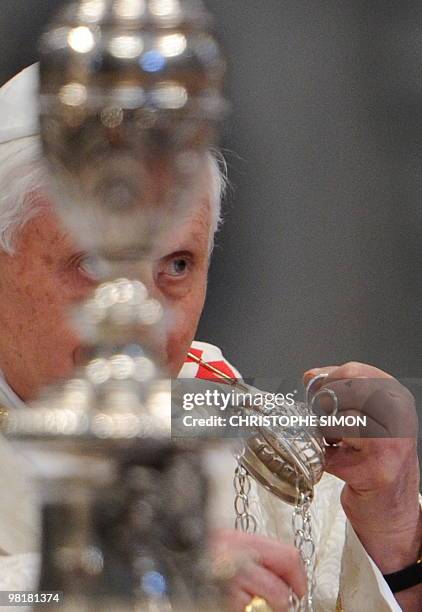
(319, 260)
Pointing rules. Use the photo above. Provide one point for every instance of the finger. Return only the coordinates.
(238, 599)
(351, 369)
(344, 462)
(354, 369)
(259, 581)
(387, 405)
(310, 374)
(355, 468)
(348, 424)
(350, 432)
(285, 561)
(282, 559)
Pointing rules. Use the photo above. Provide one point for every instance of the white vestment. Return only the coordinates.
(342, 563)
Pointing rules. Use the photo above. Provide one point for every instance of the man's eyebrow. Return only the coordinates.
(67, 241)
(184, 240)
(187, 243)
(72, 254)
(76, 254)
(174, 250)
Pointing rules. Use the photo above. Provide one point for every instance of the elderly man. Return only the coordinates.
(366, 513)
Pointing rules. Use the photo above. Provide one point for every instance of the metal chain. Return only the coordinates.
(245, 521)
(302, 529)
(303, 540)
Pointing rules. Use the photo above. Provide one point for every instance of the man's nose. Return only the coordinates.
(146, 275)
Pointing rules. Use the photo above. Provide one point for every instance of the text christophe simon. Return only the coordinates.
(269, 409)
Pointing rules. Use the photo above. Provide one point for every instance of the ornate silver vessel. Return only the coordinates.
(130, 104)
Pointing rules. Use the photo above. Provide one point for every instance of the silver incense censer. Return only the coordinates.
(288, 462)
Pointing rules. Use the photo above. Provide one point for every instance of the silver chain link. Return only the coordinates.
(303, 540)
(302, 529)
(245, 521)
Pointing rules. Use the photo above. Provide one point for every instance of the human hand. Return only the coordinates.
(262, 567)
(380, 468)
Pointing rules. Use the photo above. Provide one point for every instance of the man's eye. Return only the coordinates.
(176, 267)
(87, 265)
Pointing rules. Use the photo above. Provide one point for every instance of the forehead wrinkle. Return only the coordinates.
(194, 226)
(45, 234)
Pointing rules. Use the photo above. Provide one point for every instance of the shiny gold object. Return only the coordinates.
(258, 604)
(3, 415)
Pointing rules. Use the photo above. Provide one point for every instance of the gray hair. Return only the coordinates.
(23, 176)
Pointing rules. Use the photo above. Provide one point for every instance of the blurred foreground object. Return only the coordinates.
(130, 101)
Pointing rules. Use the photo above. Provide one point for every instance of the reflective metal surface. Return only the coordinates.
(288, 462)
(286, 466)
(130, 101)
(131, 98)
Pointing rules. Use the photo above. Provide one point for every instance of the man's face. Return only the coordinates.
(48, 274)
